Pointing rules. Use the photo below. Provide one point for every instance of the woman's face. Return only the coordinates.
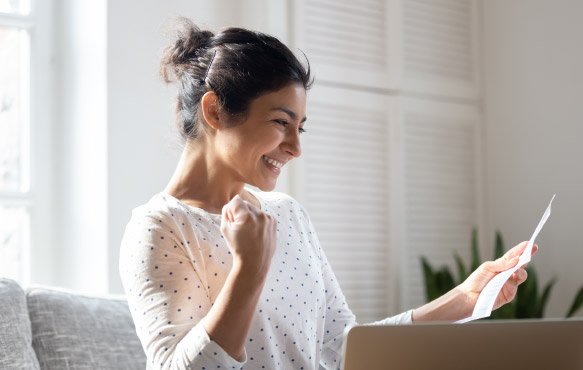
(255, 150)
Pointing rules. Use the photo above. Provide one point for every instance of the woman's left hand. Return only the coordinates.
(475, 283)
(459, 302)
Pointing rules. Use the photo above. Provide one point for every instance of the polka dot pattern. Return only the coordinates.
(174, 262)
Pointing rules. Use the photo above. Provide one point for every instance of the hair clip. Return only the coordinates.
(209, 67)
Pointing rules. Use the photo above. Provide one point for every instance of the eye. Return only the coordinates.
(284, 123)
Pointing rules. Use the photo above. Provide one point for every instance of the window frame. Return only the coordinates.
(36, 256)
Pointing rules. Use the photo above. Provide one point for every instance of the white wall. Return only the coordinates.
(80, 172)
(43, 145)
(534, 127)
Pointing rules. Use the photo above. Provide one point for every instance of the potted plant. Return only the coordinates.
(528, 304)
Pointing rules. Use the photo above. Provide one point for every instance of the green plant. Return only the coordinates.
(528, 303)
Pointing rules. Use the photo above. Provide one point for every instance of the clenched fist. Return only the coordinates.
(250, 235)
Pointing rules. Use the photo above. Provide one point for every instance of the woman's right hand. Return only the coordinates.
(250, 235)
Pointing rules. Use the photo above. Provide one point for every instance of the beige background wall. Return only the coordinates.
(534, 124)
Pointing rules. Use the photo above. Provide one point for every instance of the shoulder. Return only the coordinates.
(158, 209)
(164, 213)
(149, 219)
(280, 202)
(162, 223)
(277, 199)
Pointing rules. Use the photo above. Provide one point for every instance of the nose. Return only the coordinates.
(291, 145)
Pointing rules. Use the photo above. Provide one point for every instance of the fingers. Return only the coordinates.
(511, 286)
(226, 214)
(509, 260)
(228, 211)
(534, 250)
(501, 264)
(237, 210)
(520, 276)
(516, 251)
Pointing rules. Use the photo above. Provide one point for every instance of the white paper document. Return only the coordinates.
(488, 296)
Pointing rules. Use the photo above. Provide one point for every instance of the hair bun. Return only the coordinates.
(189, 43)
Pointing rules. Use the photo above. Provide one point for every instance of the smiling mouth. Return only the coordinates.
(272, 162)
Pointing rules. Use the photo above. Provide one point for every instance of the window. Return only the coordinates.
(15, 204)
(24, 123)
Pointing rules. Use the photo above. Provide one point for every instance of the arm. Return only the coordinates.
(228, 321)
(250, 235)
(167, 293)
(459, 302)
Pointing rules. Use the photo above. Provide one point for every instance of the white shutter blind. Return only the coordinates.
(343, 184)
(394, 49)
(346, 40)
(441, 199)
(439, 46)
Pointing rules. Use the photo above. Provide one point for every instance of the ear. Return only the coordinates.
(209, 104)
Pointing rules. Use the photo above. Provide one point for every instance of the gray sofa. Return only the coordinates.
(51, 329)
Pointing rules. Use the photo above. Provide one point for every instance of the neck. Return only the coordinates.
(200, 181)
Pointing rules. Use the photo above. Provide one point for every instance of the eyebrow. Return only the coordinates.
(289, 113)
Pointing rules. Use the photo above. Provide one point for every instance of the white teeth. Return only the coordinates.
(273, 162)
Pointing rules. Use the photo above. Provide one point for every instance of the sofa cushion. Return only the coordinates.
(72, 331)
(16, 350)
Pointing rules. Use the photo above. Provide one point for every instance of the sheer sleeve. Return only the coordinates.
(167, 291)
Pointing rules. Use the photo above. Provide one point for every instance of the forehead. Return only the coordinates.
(290, 98)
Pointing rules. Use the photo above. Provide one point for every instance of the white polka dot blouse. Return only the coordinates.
(174, 262)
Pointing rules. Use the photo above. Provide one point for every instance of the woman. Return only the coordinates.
(220, 276)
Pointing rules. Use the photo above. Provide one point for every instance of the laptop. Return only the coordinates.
(487, 344)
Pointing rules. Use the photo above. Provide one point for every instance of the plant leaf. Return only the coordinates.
(508, 311)
(499, 246)
(461, 269)
(444, 281)
(527, 296)
(430, 280)
(475, 252)
(577, 303)
(542, 303)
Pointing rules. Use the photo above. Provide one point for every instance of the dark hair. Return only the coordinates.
(239, 65)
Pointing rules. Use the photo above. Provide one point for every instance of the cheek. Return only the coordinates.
(250, 145)
(272, 139)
